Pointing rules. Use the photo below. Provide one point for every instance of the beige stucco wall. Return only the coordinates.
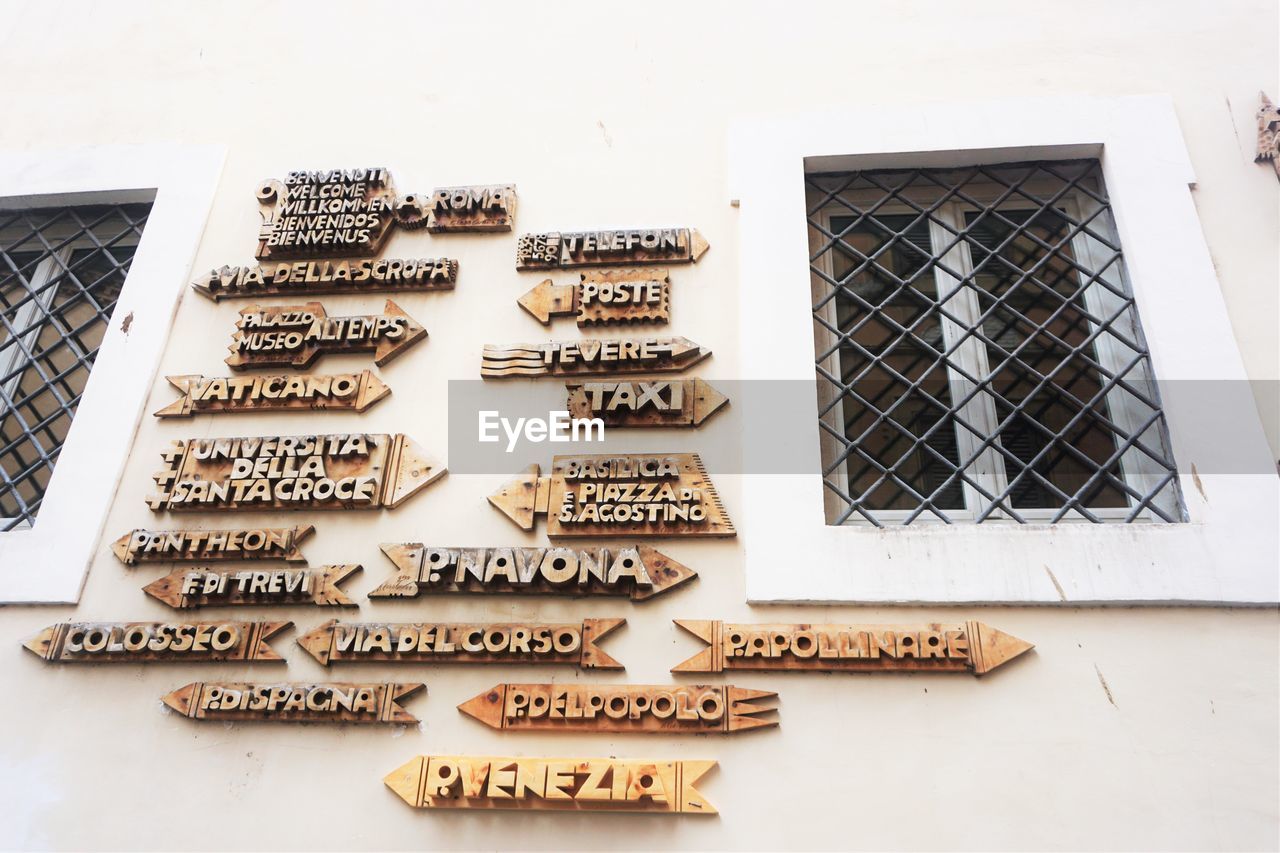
(1128, 728)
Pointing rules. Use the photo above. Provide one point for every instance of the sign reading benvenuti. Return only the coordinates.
(276, 392)
(296, 335)
(601, 496)
(139, 642)
(327, 702)
(963, 647)
(609, 248)
(339, 471)
(552, 784)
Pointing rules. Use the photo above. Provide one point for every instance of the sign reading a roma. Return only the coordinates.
(963, 647)
(553, 784)
(138, 642)
(328, 702)
(280, 392)
(198, 546)
(637, 495)
(339, 471)
(296, 335)
(639, 572)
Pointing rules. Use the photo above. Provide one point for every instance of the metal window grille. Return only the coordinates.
(979, 355)
(61, 271)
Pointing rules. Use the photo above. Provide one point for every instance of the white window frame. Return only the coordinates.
(47, 563)
(1227, 551)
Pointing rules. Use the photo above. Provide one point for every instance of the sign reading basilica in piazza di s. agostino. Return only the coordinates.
(323, 233)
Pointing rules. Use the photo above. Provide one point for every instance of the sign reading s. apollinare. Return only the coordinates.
(326, 702)
(340, 471)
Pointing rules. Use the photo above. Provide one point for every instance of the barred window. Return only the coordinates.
(979, 355)
(61, 271)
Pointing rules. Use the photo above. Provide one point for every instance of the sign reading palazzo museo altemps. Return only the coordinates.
(327, 702)
(340, 471)
(200, 546)
(296, 335)
(140, 642)
(277, 392)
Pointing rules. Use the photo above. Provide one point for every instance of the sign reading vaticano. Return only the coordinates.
(277, 392)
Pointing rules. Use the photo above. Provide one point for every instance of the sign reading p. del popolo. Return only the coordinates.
(277, 392)
(339, 471)
(140, 642)
(636, 495)
(639, 572)
(573, 644)
(962, 647)
(296, 335)
(590, 357)
(200, 546)
(552, 784)
(620, 708)
(188, 588)
(328, 702)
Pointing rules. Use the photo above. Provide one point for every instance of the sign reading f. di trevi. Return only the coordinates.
(200, 546)
(609, 248)
(327, 702)
(277, 392)
(963, 647)
(189, 588)
(138, 642)
(639, 572)
(296, 335)
(340, 471)
(601, 496)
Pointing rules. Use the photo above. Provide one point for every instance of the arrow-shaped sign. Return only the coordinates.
(552, 784)
(137, 642)
(635, 495)
(609, 248)
(278, 392)
(590, 356)
(963, 647)
(623, 708)
(652, 403)
(327, 702)
(426, 642)
(189, 588)
(603, 297)
(295, 335)
(310, 278)
(199, 546)
(640, 572)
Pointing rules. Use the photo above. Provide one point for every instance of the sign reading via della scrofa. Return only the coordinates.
(636, 495)
(482, 208)
(311, 278)
(199, 546)
(328, 702)
(189, 588)
(278, 392)
(340, 471)
(604, 296)
(296, 335)
(590, 356)
(139, 642)
(552, 784)
(652, 403)
(639, 572)
(620, 708)
(423, 642)
(964, 647)
(627, 247)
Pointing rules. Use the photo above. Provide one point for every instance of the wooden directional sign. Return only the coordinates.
(327, 702)
(426, 642)
(962, 647)
(140, 642)
(603, 297)
(651, 403)
(552, 784)
(311, 214)
(189, 588)
(279, 392)
(296, 335)
(199, 546)
(636, 495)
(621, 708)
(591, 356)
(640, 572)
(339, 471)
(609, 248)
(450, 209)
(312, 278)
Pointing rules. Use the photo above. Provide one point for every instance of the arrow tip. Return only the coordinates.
(372, 389)
(40, 643)
(317, 642)
(121, 548)
(166, 589)
(390, 348)
(706, 401)
(516, 499)
(487, 706)
(992, 648)
(698, 245)
(691, 799)
(180, 700)
(538, 301)
(666, 573)
(406, 779)
(413, 472)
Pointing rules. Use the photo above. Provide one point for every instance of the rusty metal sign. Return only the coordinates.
(313, 278)
(602, 297)
(190, 588)
(327, 702)
(199, 546)
(591, 356)
(139, 642)
(627, 247)
(645, 403)
(277, 392)
(296, 335)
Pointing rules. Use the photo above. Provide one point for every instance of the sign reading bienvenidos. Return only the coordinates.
(965, 647)
(340, 471)
(640, 572)
(604, 296)
(279, 392)
(331, 212)
(552, 784)
(138, 642)
(627, 247)
(309, 278)
(199, 546)
(296, 335)
(190, 588)
(432, 642)
(328, 702)
(636, 495)
(652, 403)
(620, 708)
(590, 356)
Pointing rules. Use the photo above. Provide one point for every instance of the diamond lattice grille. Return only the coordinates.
(979, 355)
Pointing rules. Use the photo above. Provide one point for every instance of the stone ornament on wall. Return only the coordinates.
(552, 784)
(327, 702)
(571, 644)
(296, 335)
(277, 392)
(638, 572)
(200, 546)
(963, 647)
(627, 247)
(591, 356)
(645, 403)
(338, 471)
(602, 297)
(618, 496)
(147, 642)
(621, 708)
(190, 588)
